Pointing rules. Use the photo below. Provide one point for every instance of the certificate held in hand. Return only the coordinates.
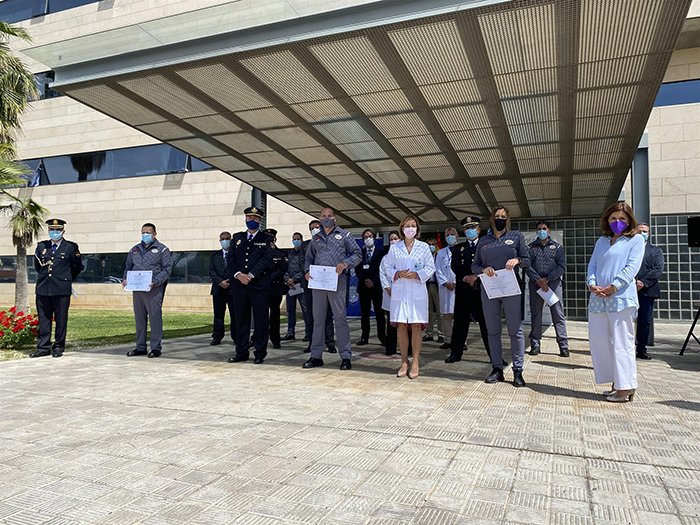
(503, 284)
(139, 281)
(323, 278)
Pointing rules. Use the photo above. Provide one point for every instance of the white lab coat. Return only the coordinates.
(409, 297)
(444, 274)
(387, 281)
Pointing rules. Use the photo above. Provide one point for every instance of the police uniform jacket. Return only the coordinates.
(547, 260)
(650, 272)
(495, 252)
(333, 248)
(155, 258)
(462, 259)
(251, 257)
(280, 262)
(56, 271)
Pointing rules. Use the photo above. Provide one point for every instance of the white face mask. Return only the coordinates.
(315, 231)
(410, 233)
(369, 242)
(393, 241)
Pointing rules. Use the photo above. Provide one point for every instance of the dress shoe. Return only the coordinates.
(276, 346)
(41, 353)
(238, 358)
(445, 346)
(306, 339)
(332, 350)
(361, 342)
(518, 380)
(505, 363)
(288, 337)
(307, 350)
(452, 359)
(495, 376)
(644, 356)
(564, 352)
(345, 364)
(58, 353)
(133, 353)
(312, 363)
(534, 350)
(427, 338)
(441, 339)
(624, 399)
(154, 353)
(258, 361)
(214, 343)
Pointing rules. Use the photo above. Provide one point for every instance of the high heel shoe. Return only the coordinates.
(625, 399)
(402, 374)
(412, 376)
(607, 393)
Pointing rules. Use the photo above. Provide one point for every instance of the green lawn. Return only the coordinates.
(96, 328)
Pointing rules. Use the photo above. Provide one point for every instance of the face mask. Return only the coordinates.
(147, 238)
(296, 243)
(618, 226)
(328, 222)
(252, 225)
(55, 235)
(471, 233)
(542, 234)
(500, 224)
(432, 246)
(369, 242)
(315, 231)
(225, 244)
(393, 241)
(451, 239)
(410, 233)
(646, 236)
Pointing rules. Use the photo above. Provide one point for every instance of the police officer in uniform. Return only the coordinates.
(57, 262)
(467, 293)
(280, 262)
(249, 261)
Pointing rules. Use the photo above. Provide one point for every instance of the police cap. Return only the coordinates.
(253, 211)
(271, 232)
(56, 223)
(470, 222)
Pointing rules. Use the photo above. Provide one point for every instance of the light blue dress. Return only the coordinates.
(617, 265)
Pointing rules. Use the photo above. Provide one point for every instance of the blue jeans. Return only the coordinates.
(646, 307)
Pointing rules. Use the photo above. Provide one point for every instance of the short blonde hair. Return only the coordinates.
(403, 223)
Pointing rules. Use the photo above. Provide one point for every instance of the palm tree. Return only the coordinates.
(26, 221)
(17, 84)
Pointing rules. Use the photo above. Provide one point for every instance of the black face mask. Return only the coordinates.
(499, 224)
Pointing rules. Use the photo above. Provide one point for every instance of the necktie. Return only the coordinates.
(53, 248)
(471, 244)
(250, 237)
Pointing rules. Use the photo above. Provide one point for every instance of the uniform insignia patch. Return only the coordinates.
(461, 249)
(552, 247)
(155, 250)
(238, 242)
(272, 244)
(43, 252)
(510, 241)
(338, 236)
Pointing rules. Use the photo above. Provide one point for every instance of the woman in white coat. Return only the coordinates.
(447, 283)
(410, 264)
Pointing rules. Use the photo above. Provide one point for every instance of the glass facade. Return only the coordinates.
(12, 11)
(676, 93)
(43, 81)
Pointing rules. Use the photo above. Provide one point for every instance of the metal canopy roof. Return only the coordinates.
(538, 105)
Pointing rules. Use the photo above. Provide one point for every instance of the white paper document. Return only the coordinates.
(503, 284)
(295, 291)
(548, 296)
(323, 278)
(139, 281)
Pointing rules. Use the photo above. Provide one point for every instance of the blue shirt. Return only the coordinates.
(617, 265)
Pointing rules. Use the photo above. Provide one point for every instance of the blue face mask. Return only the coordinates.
(252, 225)
(296, 243)
(451, 239)
(55, 235)
(542, 234)
(226, 244)
(432, 248)
(147, 238)
(646, 236)
(471, 234)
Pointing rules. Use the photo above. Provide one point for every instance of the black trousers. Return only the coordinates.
(644, 314)
(309, 298)
(50, 307)
(391, 339)
(244, 299)
(367, 297)
(467, 302)
(275, 303)
(221, 301)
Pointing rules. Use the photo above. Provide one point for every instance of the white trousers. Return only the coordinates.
(611, 338)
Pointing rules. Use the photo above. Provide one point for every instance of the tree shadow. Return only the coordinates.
(565, 366)
(552, 390)
(685, 405)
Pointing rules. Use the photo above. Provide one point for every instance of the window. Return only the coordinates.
(42, 82)
(676, 93)
(12, 11)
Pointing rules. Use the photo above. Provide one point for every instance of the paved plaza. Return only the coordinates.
(95, 437)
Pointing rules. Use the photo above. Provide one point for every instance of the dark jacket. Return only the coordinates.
(280, 262)
(651, 270)
(295, 269)
(155, 258)
(371, 272)
(462, 259)
(254, 257)
(56, 271)
(218, 271)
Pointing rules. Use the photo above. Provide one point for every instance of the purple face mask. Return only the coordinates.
(618, 226)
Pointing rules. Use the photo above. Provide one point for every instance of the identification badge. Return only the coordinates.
(338, 236)
(552, 247)
(155, 250)
(510, 241)
(365, 266)
(418, 266)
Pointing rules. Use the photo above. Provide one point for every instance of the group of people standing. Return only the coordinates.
(250, 276)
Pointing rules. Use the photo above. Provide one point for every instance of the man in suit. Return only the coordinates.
(154, 256)
(249, 260)
(314, 228)
(467, 293)
(58, 263)
(278, 288)
(221, 290)
(647, 289)
(369, 287)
